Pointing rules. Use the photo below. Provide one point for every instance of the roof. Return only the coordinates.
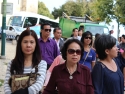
(30, 14)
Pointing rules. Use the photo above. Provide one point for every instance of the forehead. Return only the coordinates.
(74, 45)
(88, 35)
(58, 30)
(30, 37)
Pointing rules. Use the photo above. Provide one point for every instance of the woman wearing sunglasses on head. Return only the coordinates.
(70, 77)
(89, 57)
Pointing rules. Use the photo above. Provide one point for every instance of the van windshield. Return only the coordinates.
(15, 21)
(97, 29)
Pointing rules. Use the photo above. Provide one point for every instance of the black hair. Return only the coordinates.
(123, 36)
(74, 29)
(81, 27)
(57, 28)
(85, 34)
(42, 25)
(66, 45)
(97, 35)
(18, 62)
(102, 43)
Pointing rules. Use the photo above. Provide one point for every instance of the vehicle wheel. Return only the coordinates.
(17, 37)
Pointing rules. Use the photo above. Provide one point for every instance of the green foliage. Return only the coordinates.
(43, 10)
(71, 8)
(120, 11)
(102, 10)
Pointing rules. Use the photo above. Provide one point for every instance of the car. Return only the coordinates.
(13, 32)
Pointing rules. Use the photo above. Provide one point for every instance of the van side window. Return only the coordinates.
(30, 21)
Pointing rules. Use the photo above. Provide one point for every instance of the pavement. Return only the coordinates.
(10, 49)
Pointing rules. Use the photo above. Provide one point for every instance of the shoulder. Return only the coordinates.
(52, 41)
(92, 50)
(43, 63)
(84, 67)
(99, 66)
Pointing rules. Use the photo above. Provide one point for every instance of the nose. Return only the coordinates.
(28, 44)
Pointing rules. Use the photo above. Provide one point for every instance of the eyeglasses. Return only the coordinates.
(47, 30)
(72, 51)
(88, 37)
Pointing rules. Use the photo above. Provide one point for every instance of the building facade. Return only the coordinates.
(20, 5)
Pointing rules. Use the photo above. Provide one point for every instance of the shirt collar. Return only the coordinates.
(78, 67)
(40, 39)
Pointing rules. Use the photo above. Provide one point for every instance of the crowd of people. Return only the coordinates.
(78, 65)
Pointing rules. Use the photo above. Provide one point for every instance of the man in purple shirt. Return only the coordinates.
(48, 46)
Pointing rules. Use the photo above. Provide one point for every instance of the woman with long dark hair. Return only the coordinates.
(89, 56)
(27, 57)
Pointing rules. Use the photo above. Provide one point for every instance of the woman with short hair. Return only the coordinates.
(106, 75)
(70, 77)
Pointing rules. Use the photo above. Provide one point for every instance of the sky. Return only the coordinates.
(50, 4)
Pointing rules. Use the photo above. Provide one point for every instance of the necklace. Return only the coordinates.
(71, 77)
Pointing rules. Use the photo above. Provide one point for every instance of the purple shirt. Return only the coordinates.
(80, 84)
(49, 50)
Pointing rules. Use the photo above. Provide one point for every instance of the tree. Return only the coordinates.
(120, 11)
(57, 12)
(43, 10)
(102, 10)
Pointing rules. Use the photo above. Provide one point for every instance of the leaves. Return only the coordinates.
(43, 10)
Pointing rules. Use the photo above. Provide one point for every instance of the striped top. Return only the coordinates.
(34, 88)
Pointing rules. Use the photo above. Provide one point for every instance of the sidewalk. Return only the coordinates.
(9, 53)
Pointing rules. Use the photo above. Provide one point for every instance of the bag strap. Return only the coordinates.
(86, 57)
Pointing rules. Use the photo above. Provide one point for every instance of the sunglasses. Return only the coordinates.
(47, 30)
(88, 37)
(72, 51)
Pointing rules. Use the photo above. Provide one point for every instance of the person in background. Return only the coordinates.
(111, 32)
(96, 36)
(57, 61)
(27, 57)
(48, 46)
(121, 46)
(119, 40)
(74, 34)
(107, 77)
(28, 28)
(57, 37)
(70, 77)
(89, 56)
(80, 32)
(82, 28)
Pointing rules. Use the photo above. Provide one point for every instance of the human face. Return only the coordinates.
(80, 33)
(58, 34)
(46, 31)
(75, 33)
(28, 45)
(87, 40)
(123, 40)
(73, 58)
(112, 52)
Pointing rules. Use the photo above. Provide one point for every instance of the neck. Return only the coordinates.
(71, 66)
(57, 39)
(28, 60)
(107, 60)
(44, 38)
(75, 36)
(86, 47)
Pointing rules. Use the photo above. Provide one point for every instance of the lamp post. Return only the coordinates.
(3, 28)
